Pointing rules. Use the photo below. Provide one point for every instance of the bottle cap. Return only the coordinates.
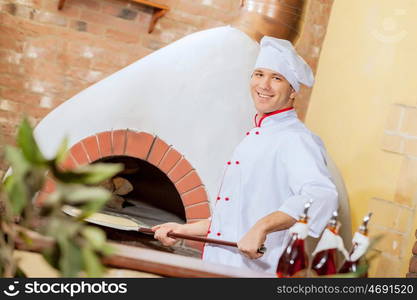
(364, 226)
(304, 216)
(333, 220)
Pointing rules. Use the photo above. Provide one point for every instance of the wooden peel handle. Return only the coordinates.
(192, 238)
(199, 239)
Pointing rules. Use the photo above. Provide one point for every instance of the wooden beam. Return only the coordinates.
(61, 4)
(172, 265)
(159, 10)
(157, 14)
(150, 3)
(151, 261)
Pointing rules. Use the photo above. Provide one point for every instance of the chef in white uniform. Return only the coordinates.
(273, 172)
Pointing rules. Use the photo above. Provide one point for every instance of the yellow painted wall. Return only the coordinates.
(368, 62)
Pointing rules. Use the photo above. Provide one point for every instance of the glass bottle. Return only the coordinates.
(294, 258)
(360, 244)
(324, 256)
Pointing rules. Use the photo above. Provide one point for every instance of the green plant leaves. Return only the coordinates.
(79, 194)
(70, 261)
(17, 161)
(88, 199)
(14, 184)
(28, 145)
(96, 244)
(95, 236)
(61, 153)
(77, 247)
(17, 194)
(93, 265)
(89, 174)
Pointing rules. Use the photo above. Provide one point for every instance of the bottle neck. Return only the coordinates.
(363, 230)
(333, 228)
(303, 220)
(354, 246)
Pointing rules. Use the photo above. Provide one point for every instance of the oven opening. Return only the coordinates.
(143, 193)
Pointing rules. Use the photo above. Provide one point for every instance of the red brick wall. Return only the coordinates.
(48, 56)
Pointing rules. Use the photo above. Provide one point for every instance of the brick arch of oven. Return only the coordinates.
(147, 147)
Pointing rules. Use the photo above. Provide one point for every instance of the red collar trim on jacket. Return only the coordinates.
(270, 114)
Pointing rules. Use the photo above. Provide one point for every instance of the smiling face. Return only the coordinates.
(270, 91)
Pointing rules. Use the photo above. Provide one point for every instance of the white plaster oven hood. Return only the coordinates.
(192, 93)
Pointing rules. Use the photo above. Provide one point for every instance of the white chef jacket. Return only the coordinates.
(278, 166)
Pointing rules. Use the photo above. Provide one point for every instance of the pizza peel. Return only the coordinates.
(126, 223)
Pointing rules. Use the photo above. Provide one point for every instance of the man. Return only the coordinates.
(273, 172)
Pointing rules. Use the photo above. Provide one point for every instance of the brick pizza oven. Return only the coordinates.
(161, 177)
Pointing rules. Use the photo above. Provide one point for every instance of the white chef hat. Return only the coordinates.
(280, 56)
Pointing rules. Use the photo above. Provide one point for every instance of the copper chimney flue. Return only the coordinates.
(277, 18)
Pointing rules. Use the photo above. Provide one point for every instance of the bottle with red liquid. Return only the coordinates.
(360, 243)
(324, 256)
(294, 258)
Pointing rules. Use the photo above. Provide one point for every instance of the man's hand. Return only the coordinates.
(256, 236)
(197, 228)
(162, 230)
(251, 242)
